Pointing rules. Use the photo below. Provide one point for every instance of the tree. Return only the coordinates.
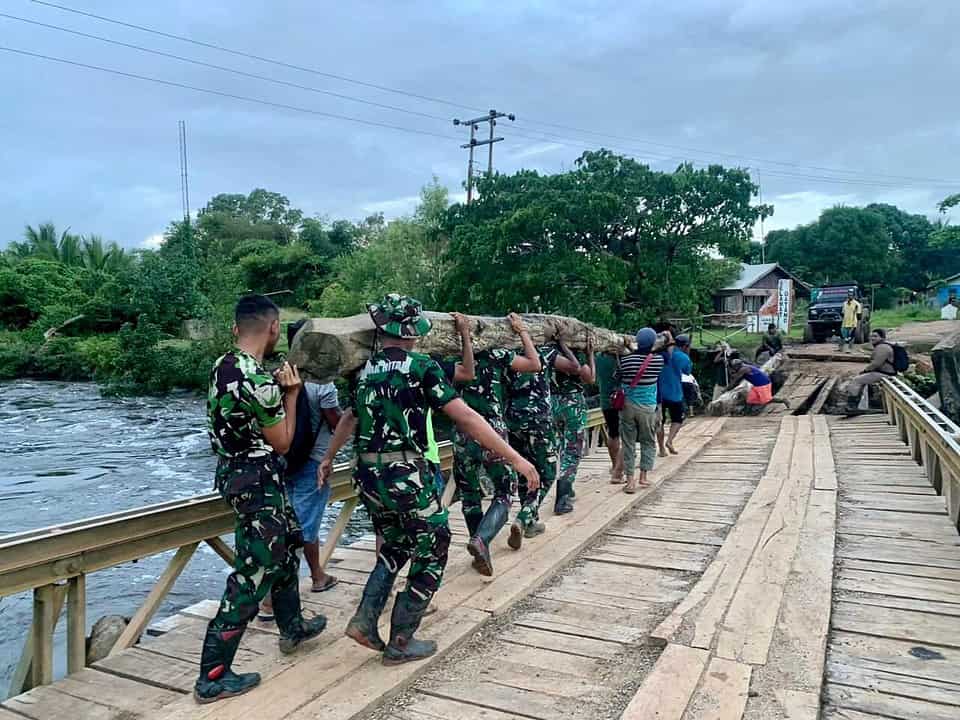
(43, 243)
(910, 238)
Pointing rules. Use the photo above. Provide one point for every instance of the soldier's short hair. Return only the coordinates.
(253, 312)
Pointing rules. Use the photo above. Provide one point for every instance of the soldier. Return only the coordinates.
(485, 395)
(390, 396)
(532, 433)
(570, 420)
(251, 421)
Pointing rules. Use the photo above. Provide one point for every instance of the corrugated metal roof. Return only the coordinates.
(749, 274)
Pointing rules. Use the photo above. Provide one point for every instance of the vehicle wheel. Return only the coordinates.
(808, 334)
(858, 338)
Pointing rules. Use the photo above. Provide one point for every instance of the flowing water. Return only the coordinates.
(68, 453)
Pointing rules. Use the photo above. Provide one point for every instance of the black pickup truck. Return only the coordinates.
(826, 314)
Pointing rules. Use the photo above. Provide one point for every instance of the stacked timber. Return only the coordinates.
(326, 348)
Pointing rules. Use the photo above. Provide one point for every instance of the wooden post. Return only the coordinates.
(77, 623)
(916, 445)
(902, 425)
(138, 623)
(935, 471)
(222, 549)
(44, 621)
(330, 544)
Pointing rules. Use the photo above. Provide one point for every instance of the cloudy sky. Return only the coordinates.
(829, 101)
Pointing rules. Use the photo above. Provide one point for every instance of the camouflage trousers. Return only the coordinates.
(402, 502)
(267, 536)
(471, 461)
(537, 446)
(570, 422)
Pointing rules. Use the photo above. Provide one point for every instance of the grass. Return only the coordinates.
(895, 317)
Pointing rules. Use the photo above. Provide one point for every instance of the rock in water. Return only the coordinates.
(329, 347)
(104, 635)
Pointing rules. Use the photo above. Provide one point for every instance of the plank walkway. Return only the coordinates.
(781, 568)
(894, 648)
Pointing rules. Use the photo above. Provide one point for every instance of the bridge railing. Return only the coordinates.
(934, 440)
(54, 561)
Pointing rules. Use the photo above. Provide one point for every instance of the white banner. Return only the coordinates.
(784, 305)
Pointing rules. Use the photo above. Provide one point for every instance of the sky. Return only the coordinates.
(826, 101)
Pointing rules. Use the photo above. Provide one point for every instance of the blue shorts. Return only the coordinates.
(309, 501)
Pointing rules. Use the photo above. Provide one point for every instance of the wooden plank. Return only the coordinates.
(906, 658)
(168, 673)
(502, 698)
(752, 615)
(688, 512)
(222, 549)
(894, 683)
(897, 624)
(429, 707)
(536, 659)
(47, 602)
(49, 703)
(120, 694)
(825, 472)
(568, 644)
(723, 693)
(707, 602)
(920, 504)
(887, 706)
(664, 560)
(821, 400)
(899, 586)
(666, 691)
(595, 599)
(901, 551)
(141, 618)
(659, 532)
(888, 601)
(333, 537)
(594, 629)
(76, 623)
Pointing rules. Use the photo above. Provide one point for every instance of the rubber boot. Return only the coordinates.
(493, 521)
(473, 524)
(534, 528)
(217, 681)
(517, 531)
(363, 625)
(403, 647)
(294, 629)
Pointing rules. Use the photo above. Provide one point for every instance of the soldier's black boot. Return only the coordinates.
(473, 524)
(403, 647)
(563, 505)
(294, 629)
(363, 625)
(479, 546)
(217, 680)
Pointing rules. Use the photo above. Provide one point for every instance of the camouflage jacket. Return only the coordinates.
(529, 394)
(564, 384)
(243, 398)
(390, 396)
(485, 393)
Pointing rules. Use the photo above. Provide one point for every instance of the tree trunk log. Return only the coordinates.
(328, 347)
(732, 401)
(946, 365)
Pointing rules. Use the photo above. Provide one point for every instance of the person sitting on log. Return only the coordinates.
(770, 344)
(531, 431)
(881, 366)
(761, 390)
(389, 398)
(570, 420)
(485, 395)
(252, 418)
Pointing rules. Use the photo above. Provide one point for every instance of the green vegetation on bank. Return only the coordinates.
(610, 241)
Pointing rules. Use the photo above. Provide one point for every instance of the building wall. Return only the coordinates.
(944, 293)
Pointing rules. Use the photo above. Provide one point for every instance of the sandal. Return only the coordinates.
(265, 617)
(327, 584)
(672, 450)
(618, 480)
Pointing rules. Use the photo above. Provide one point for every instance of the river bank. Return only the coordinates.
(70, 452)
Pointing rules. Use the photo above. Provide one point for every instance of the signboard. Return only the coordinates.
(784, 305)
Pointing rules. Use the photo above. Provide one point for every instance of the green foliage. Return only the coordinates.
(925, 384)
(895, 317)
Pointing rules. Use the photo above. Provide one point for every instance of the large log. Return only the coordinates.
(733, 401)
(325, 348)
(946, 365)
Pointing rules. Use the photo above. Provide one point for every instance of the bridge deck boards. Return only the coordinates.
(894, 648)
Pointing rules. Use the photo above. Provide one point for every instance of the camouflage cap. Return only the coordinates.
(400, 315)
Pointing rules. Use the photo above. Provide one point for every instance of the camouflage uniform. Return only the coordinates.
(242, 400)
(531, 428)
(390, 398)
(485, 395)
(570, 421)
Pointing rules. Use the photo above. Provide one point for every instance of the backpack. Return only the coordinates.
(304, 436)
(901, 360)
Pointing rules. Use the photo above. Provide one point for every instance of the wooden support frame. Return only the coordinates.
(333, 537)
(76, 623)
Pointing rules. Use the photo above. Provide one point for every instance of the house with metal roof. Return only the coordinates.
(754, 287)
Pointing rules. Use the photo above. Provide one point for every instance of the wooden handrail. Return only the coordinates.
(43, 559)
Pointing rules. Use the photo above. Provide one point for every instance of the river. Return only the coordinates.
(68, 453)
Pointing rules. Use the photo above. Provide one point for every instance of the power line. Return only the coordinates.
(222, 68)
(534, 121)
(233, 96)
(252, 56)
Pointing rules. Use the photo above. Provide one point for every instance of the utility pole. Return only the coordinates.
(491, 117)
(184, 185)
(763, 235)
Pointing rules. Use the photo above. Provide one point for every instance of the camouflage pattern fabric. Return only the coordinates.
(267, 536)
(564, 384)
(529, 396)
(400, 316)
(242, 399)
(486, 392)
(472, 465)
(570, 420)
(404, 507)
(390, 396)
(539, 449)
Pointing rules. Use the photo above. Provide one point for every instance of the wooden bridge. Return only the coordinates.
(780, 567)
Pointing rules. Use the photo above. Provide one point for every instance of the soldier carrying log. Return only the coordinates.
(389, 398)
(485, 395)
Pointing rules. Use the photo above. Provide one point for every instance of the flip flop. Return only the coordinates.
(330, 582)
(618, 481)
(264, 617)
(629, 490)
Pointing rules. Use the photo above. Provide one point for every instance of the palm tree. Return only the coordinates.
(42, 243)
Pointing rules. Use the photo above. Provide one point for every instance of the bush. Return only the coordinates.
(15, 356)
